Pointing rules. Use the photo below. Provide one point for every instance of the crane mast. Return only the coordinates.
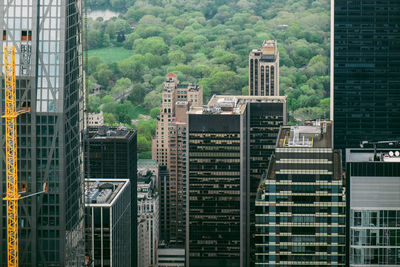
(12, 195)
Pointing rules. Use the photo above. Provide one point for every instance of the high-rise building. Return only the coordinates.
(366, 70)
(148, 220)
(169, 149)
(373, 206)
(164, 203)
(264, 70)
(49, 83)
(229, 141)
(173, 91)
(170, 257)
(300, 206)
(111, 152)
(108, 222)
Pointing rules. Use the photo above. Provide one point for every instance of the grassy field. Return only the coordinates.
(110, 54)
(136, 111)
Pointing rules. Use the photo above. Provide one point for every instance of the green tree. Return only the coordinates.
(103, 74)
(93, 62)
(137, 94)
(132, 67)
(94, 104)
(154, 112)
(152, 45)
(121, 87)
(152, 100)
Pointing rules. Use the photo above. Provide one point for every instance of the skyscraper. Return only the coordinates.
(300, 207)
(229, 140)
(169, 149)
(173, 91)
(366, 71)
(108, 222)
(110, 152)
(373, 206)
(264, 70)
(47, 38)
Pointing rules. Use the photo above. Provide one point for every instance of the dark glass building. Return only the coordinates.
(300, 207)
(111, 152)
(230, 142)
(366, 71)
(49, 82)
(108, 222)
(373, 206)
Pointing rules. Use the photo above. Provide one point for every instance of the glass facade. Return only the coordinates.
(214, 191)
(230, 143)
(366, 71)
(47, 37)
(265, 120)
(108, 224)
(375, 237)
(300, 210)
(111, 152)
(373, 187)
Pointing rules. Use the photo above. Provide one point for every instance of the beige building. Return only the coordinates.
(173, 92)
(169, 148)
(264, 70)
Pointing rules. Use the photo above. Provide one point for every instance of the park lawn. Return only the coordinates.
(136, 111)
(110, 54)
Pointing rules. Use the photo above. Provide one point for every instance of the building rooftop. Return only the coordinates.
(143, 163)
(371, 155)
(103, 192)
(231, 105)
(108, 132)
(317, 135)
(268, 51)
(145, 185)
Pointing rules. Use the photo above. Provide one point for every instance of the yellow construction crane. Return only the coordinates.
(12, 195)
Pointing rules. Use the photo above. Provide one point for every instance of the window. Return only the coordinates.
(26, 36)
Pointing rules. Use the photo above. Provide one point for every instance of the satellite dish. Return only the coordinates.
(391, 153)
(397, 153)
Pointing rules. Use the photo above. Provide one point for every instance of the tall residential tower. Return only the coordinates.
(169, 149)
(49, 82)
(264, 70)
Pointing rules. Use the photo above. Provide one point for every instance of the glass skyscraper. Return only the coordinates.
(49, 82)
(366, 71)
(229, 144)
(300, 207)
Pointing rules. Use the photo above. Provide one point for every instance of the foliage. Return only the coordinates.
(206, 42)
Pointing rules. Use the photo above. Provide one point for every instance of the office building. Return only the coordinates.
(264, 70)
(49, 83)
(169, 149)
(108, 222)
(373, 206)
(300, 206)
(170, 257)
(366, 70)
(148, 221)
(228, 143)
(111, 152)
